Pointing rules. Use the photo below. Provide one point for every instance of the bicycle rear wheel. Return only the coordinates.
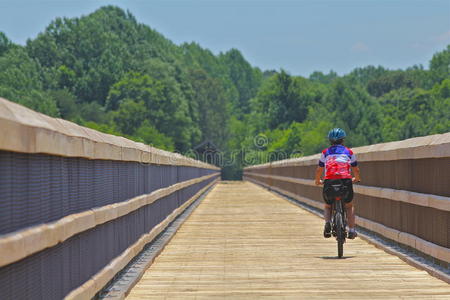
(340, 234)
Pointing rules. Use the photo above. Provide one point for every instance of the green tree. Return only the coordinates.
(283, 99)
(213, 111)
(5, 43)
(323, 78)
(149, 135)
(440, 65)
(245, 78)
(165, 110)
(388, 82)
(130, 116)
(67, 104)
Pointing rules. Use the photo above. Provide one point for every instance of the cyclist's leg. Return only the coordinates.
(327, 217)
(351, 220)
(327, 198)
(350, 209)
(326, 210)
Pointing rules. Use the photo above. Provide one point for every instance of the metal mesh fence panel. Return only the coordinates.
(54, 272)
(39, 188)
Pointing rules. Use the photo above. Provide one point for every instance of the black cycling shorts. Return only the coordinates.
(329, 192)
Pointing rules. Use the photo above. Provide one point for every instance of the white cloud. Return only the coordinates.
(432, 41)
(444, 37)
(360, 47)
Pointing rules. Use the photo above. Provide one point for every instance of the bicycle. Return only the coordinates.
(338, 218)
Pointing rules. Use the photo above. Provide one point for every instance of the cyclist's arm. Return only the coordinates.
(357, 177)
(355, 168)
(319, 172)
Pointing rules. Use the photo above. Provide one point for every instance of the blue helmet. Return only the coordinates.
(336, 134)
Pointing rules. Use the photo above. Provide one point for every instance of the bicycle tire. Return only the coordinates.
(339, 234)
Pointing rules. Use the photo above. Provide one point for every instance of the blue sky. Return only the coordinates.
(299, 36)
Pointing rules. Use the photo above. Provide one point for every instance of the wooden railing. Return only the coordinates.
(77, 205)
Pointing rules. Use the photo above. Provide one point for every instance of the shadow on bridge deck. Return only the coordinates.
(244, 242)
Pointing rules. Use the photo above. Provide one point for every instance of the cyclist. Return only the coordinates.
(337, 161)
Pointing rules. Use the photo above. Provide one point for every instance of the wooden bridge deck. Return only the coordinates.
(244, 242)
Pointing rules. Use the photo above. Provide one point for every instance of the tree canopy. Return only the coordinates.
(111, 73)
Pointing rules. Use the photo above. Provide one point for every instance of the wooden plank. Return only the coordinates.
(243, 242)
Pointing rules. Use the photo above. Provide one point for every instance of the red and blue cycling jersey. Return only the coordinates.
(337, 160)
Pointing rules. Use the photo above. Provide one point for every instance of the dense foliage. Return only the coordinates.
(108, 72)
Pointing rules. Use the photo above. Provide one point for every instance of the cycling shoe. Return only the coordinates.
(352, 235)
(327, 230)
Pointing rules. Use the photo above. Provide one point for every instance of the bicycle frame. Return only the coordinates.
(339, 223)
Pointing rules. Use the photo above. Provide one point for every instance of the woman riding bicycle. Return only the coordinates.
(337, 161)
